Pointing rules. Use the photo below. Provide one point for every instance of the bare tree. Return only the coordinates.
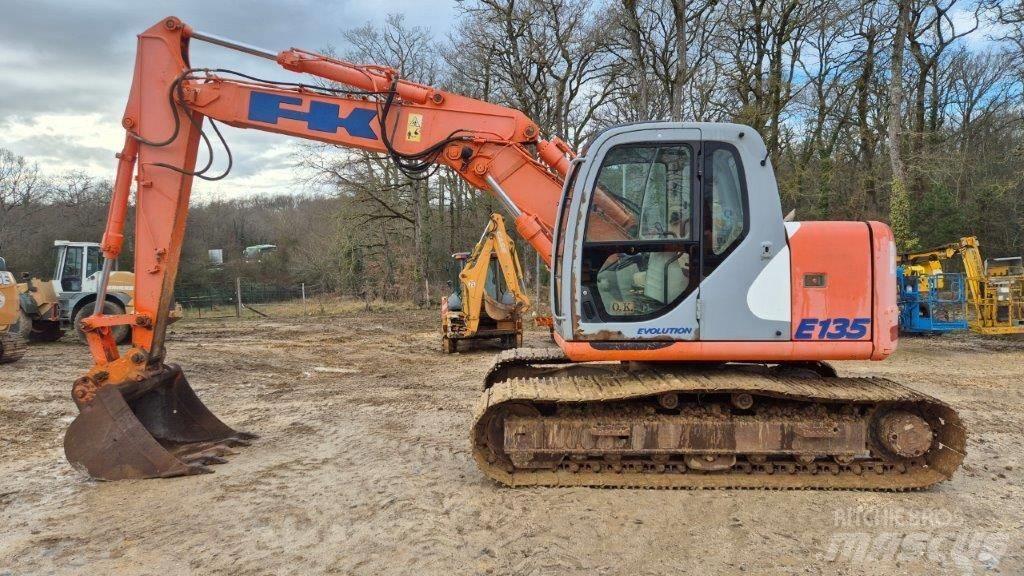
(899, 201)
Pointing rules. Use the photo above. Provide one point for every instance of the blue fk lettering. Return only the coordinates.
(322, 116)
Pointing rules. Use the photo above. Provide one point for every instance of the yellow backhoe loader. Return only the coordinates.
(486, 304)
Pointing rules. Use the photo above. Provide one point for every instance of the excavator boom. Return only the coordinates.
(133, 395)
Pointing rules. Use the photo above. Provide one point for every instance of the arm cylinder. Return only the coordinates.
(113, 235)
(365, 78)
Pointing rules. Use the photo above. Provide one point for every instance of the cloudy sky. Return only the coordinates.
(66, 69)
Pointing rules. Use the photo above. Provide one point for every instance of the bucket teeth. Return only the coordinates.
(204, 460)
(162, 432)
(235, 442)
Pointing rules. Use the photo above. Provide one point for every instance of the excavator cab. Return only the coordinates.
(691, 253)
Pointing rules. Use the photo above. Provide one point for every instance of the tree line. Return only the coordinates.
(907, 111)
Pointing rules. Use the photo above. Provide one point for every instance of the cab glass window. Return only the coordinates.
(727, 200)
(642, 193)
(639, 239)
(71, 275)
(93, 261)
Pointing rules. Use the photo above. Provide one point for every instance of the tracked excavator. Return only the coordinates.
(693, 325)
(489, 298)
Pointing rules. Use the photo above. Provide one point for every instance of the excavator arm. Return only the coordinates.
(135, 395)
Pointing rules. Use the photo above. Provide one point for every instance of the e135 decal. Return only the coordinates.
(832, 329)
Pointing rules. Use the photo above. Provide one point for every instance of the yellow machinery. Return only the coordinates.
(12, 340)
(486, 304)
(995, 288)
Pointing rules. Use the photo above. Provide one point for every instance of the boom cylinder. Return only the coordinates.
(343, 72)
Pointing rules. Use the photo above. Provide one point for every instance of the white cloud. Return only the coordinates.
(67, 68)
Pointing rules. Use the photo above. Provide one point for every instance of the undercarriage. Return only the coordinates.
(545, 421)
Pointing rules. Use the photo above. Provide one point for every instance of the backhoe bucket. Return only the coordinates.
(163, 432)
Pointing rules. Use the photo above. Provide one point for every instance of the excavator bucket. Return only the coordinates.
(163, 432)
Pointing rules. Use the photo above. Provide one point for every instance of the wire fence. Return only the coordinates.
(242, 297)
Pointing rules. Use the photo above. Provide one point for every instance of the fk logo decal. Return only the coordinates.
(321, 117)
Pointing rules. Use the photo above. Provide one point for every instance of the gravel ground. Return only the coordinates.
(363, 467)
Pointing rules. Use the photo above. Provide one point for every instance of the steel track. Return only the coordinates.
(545, 377)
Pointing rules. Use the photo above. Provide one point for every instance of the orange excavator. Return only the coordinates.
(693, 323)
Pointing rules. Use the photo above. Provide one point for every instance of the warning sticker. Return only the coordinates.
(414, 128)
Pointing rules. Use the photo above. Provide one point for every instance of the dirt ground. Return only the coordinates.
(363, 467)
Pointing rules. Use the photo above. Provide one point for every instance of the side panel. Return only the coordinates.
(832, 281)
(667, 351)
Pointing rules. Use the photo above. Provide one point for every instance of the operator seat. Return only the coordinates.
(666, 276)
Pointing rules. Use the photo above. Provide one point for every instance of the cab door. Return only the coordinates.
(637, 249)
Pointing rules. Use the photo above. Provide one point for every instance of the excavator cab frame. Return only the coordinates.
(659, 277)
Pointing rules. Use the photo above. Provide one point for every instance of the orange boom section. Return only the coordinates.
(484, 143)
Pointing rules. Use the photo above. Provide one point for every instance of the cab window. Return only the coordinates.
(93, 261)
(71, 274)
(726, 217)
(642, 193)
(727, 214)
(639, 240)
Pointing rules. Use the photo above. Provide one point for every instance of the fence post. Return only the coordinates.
(238, 297)
(304, 311)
